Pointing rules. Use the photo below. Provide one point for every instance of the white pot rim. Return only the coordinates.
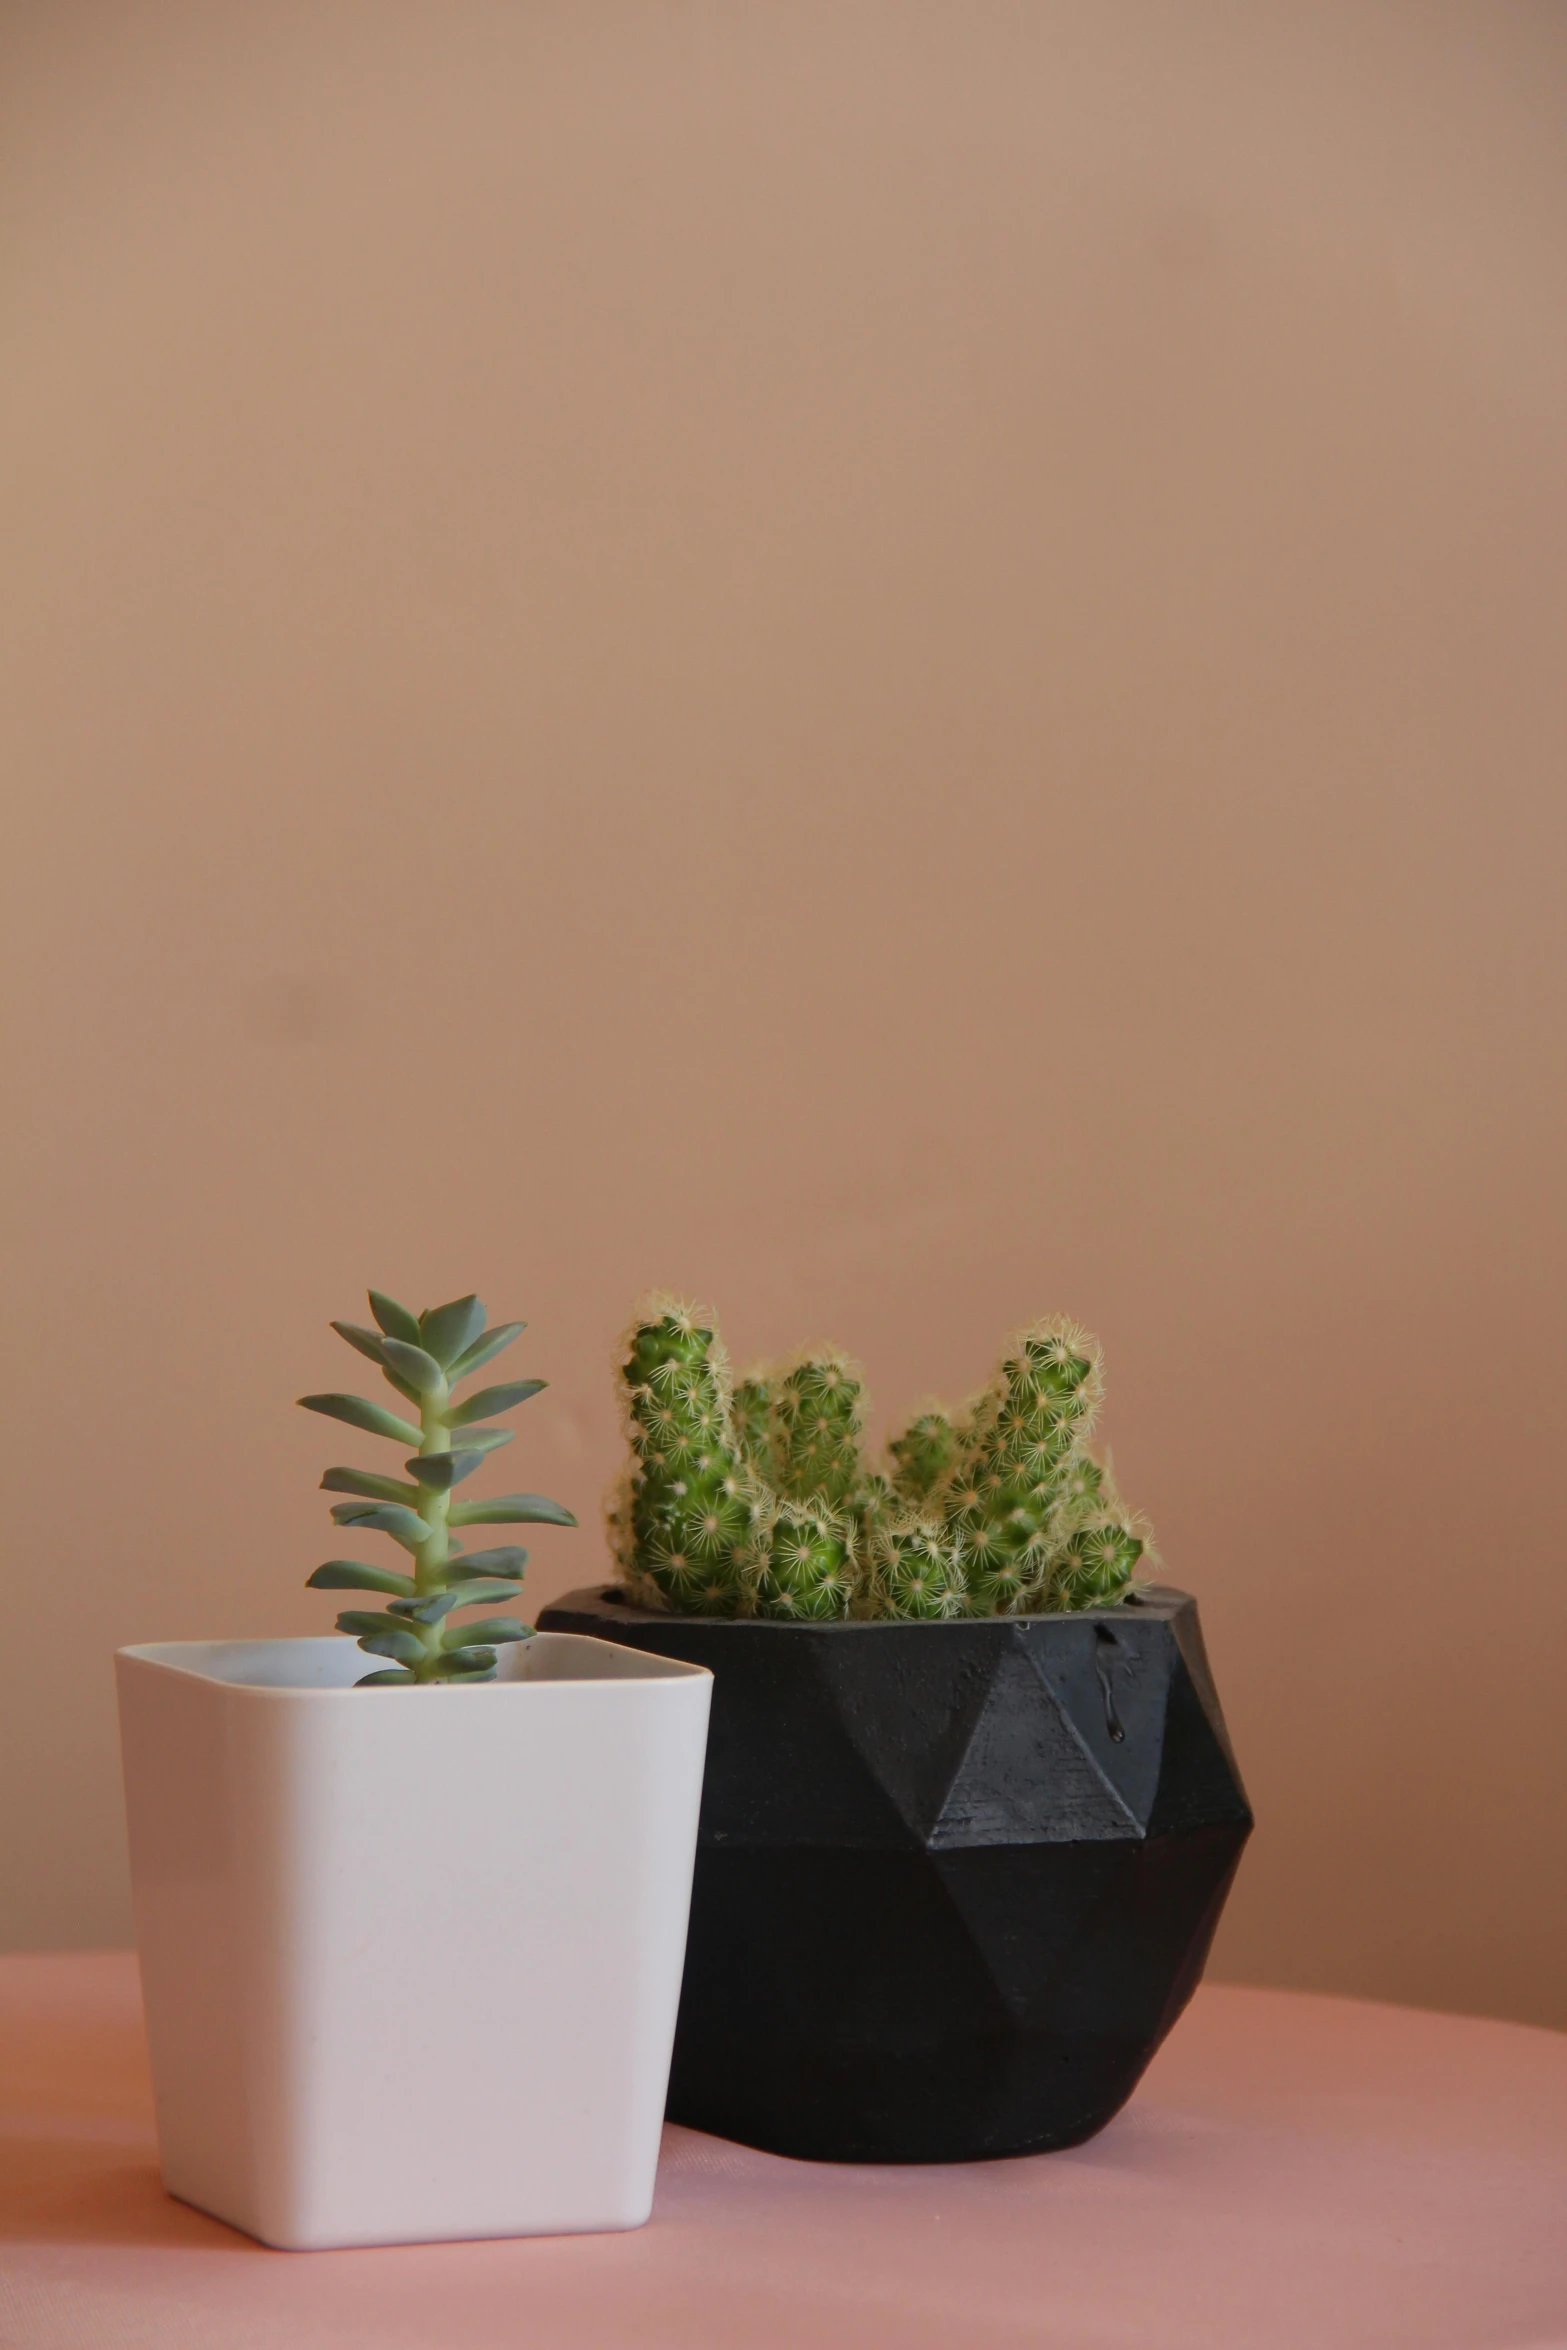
(266, 1669)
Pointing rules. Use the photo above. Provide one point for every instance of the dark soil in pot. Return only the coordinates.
(954, 1881)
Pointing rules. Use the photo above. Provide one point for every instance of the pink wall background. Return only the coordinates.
(902, 664)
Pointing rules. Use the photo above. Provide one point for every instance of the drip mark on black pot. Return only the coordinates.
(1105, 1639)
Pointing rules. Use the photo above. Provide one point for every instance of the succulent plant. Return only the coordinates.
(425, 1357)
(756, 1499)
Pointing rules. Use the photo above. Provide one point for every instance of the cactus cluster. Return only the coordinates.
(754, 1497)
(425, 1357)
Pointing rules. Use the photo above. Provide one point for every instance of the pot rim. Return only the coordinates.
(1153, 1599)
(184, 1660)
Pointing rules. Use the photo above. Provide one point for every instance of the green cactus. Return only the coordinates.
(923, 1454)
(808, 1566)
(1098, 1540)
(759, 1500)
(877, 1501)
(1003, 1491)
(919, 1570)
(687, 1523)
(1082, 1484)
(424, 1357)
(1096, 1563)
(752, 1409)
(818, 1419)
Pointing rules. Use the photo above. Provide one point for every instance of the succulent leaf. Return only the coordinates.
(362, 1621)
(448, 1331)
(413, 1363)
(402, 1644)
(428, 1610)
(506, 1559)
(359, 1412)
(369, 1484)
(365, 1342)
(383, 1635)
(484, 1350)
(490, 1400)
(432, 1606)
(440, 1471)
(355, 1575)
(512, 1509)
(481, 1591)
(384, 1517)
(485, 1439)
(487, 1632)
(393, 1673)
(394, 1319)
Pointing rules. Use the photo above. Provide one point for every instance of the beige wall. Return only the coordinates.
(903, 664)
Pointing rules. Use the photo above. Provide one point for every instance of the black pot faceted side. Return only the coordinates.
(954, 1881)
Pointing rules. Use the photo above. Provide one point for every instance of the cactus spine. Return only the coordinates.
(756, 1498)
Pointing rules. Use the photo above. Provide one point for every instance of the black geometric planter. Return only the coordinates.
(954, 1881)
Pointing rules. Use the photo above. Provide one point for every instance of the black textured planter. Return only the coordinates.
(954, 1881)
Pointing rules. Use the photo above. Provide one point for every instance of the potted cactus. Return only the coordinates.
(319, 1869)
(970, 1813)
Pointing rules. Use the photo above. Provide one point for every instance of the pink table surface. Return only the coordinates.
(1294, 2171)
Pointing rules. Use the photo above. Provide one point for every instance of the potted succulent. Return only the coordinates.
(970, 1813)
(333, 1883)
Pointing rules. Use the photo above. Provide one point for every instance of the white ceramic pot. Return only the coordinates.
(410, 1957)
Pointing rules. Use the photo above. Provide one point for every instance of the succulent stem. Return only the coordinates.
(433, 1556)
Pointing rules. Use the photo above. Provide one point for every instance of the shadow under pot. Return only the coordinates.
(954, 1881)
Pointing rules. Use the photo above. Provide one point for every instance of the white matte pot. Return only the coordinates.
(410, 1957)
